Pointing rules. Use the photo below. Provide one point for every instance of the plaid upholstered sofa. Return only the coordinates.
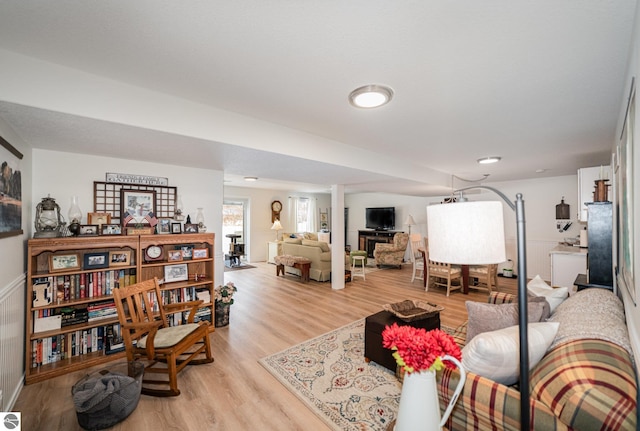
(581, 383)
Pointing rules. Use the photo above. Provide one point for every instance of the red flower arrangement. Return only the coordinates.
(415, 349)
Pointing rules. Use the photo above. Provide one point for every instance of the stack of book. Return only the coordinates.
(101, 310)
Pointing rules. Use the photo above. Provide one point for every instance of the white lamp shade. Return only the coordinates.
(410, 221)
(466, 233)
(276, 225)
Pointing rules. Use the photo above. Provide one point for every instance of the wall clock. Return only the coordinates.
(276, 207)
(153, 253)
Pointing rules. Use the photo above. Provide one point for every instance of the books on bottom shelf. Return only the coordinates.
(107, 339)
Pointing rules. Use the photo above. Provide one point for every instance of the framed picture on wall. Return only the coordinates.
(138, 207)
(11, 202)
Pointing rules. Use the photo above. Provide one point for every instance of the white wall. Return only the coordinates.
(259, 231)
(63, 175)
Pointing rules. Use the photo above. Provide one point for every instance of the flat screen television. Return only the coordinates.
(381, 218)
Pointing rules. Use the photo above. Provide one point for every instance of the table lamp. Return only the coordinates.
(277, 227)
(472, 233)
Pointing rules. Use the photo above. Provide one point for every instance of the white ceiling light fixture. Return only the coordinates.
(489, 160)
(371, 96)
(251, 178)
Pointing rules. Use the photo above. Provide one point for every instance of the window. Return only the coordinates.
(304, 211)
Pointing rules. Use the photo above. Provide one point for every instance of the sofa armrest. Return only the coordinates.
(501, 298)
(487, 405)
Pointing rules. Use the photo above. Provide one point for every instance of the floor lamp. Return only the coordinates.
(472, 233)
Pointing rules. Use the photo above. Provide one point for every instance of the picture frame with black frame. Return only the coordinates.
(176, 227)
(96, 260)
(173, 273)
(89, 230)
(120, 258)
(137, 207)
(64, 262)
(190, 228)
(111, 229)
(187, 251)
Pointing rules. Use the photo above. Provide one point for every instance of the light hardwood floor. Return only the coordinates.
(236, 392)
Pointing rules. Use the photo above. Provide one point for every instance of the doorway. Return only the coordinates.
(234, 231)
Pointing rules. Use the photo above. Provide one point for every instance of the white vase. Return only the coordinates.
(419, 407)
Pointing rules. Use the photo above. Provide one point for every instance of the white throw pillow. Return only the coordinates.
(495, 354)
(554, 296)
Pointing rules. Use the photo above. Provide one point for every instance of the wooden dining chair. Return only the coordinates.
(441, 274)
(486, 276)
(415, 242)
(149, 337)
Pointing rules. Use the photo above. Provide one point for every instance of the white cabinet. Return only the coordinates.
(324, 237)
(586, 186)
(274, 248)
(566, 263)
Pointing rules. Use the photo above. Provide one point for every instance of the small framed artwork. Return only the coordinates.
(120, 258)
(164, 225)
(187, 251)
(111, 229)
(98, 218)
(176, 228)
(200, 253)
(190, 228)
(174, 255)
(96, 260)
(88, 230)
(64, 262)
(176, 273)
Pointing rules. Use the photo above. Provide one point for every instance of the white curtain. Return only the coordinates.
(303, 212)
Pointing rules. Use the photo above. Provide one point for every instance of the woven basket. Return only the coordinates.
(409, 310)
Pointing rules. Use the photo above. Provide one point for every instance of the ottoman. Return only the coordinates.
(358, 253)
(375, 324)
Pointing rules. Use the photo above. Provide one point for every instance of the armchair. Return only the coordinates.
(392, 254)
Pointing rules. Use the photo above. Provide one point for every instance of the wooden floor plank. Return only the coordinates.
(235, 392)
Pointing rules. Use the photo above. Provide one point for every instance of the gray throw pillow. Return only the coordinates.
(491, 317)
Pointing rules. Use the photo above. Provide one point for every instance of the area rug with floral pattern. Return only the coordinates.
(329, 374)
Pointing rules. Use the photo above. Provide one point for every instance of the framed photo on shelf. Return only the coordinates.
(96, 260)
(200, 253)
(174, 255)
(137, 207)
(111, 229)
(176, 228)
(120, 258)
(190, 228)
(64, 262)
(88, 230)
(187, 251)
(164, 225)
(98, 218)
(176, 273)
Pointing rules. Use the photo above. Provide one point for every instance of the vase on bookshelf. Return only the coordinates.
(222, 314)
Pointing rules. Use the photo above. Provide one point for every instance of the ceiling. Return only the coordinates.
(540, 84)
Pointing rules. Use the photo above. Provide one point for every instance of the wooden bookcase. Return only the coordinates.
(198, 269)
(74, 276)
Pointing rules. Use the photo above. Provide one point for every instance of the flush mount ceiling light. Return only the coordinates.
(489, 160)
(370, 96)
(251, 178)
